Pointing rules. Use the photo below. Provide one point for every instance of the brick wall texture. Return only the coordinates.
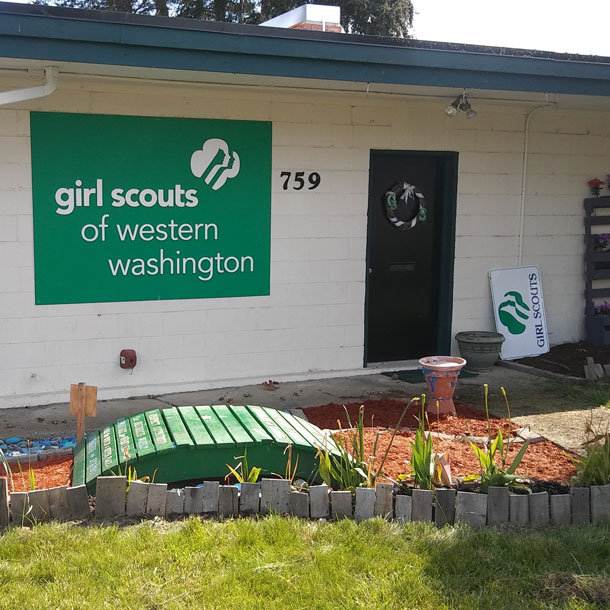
(313, 321)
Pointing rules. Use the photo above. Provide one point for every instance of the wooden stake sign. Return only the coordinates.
(83, 402)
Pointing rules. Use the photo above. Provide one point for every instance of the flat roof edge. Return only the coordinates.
(116, 17)
(52, 33)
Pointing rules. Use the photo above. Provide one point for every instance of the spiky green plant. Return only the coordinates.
(242, 472)
(352, 467)
(492, 474)
(422, 464)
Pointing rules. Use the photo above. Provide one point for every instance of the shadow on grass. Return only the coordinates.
(519, 568)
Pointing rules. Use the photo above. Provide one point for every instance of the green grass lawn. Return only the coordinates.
(276, 563)
(589, 395)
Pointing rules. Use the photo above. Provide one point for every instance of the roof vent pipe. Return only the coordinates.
(31, 93)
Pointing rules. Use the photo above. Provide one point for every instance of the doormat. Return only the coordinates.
(417, 375)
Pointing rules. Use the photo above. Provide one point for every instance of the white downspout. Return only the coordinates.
(31, 93)
(524, 179)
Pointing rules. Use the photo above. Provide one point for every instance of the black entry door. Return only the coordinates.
(410, 272)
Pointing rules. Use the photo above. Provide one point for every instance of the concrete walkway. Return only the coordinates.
(534, 401)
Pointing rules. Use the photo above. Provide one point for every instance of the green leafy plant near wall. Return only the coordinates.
(495, 449)
(242, 472)
(428, 468)
(422, 463)
(31, 478)
(352, 467)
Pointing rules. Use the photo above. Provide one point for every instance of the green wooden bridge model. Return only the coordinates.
(196, 443)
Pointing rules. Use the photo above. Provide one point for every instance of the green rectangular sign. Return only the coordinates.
(143, 208)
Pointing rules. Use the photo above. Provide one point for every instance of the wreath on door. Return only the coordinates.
(404, 205)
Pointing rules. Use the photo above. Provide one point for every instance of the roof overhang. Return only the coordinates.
(119, 45)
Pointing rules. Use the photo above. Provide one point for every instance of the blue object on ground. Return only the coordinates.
(17, 447)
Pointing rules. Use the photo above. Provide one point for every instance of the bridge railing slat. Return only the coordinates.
(215, 427)
(109, 453)
(93, 459)
(295, 436)
(124, 438)
(199, 433)
(233, 425)
(177, 429)
(141, 435)
(278, 435)
(250, 423)
(159, 432)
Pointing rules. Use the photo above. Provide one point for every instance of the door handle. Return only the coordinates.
(370, 271)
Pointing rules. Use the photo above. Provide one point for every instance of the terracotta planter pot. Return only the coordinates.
(441, 373)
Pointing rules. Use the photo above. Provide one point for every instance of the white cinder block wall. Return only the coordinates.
(312, 323)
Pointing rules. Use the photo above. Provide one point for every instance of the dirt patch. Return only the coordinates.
(543, 460)
(569, 358)
(592, 589)
(54, 471)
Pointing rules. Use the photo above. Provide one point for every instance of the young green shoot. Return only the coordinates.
(422, 463)
(290, 472)
(242, 472)
(352, 467)
(8, 471)
(593, 468)
(491, 473)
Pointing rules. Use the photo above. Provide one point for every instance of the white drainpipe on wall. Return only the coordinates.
(524, 178)
(31, 93)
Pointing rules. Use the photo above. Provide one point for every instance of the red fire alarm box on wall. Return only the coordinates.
(128, 358)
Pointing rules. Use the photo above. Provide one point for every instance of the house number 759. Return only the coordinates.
(297, 182)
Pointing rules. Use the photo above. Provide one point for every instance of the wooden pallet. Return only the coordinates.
(193, 443)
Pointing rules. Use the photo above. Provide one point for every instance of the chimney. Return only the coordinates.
(318, 17)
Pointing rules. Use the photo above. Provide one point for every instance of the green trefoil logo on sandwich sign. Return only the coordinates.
(149, 208)
(518, 306)
(511, 310)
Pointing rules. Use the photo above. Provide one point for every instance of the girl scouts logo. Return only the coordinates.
(511, 310)
(215, 162)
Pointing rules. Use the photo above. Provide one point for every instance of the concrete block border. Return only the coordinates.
(114, 498)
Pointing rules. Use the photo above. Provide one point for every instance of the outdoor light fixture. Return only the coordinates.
(452, 109)
(461, 103)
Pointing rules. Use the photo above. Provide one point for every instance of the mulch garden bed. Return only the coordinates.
(569, 358)
(385, 413)
(53, 471)
(543, 460)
